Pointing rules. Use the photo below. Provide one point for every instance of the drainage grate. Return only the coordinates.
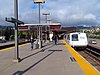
(55, 50)
(72, 59)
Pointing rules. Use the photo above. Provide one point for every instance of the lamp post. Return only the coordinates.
(46, 13)
(39, 37)
(16, 22)
(17, 59)
(49, 19)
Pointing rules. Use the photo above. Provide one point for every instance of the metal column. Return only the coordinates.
(17, 59)
(39, 28)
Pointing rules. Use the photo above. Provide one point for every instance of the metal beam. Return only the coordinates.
(43, 24)
(13, 20)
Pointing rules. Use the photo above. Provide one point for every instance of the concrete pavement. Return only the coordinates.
(50, 60)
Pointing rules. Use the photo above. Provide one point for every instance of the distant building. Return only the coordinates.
(91, 29)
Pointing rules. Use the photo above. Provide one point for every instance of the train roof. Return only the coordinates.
(77, 33)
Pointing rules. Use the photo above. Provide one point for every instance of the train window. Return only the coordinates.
(65, 36)
(68, 37)
(75, 37)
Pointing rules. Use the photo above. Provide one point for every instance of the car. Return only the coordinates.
(2, 40)
(93, 42)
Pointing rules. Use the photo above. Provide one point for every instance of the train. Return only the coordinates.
(77, 39)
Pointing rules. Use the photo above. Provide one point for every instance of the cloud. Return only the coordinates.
(68, 12)
(88, 19)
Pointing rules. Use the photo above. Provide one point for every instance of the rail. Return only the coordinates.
(92, 55)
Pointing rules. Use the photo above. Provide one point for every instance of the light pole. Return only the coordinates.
(17, 59)
(49, 19)
(46, 13)
(16, 22)
(39, 1)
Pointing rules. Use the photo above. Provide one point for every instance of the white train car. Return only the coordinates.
(77, 39)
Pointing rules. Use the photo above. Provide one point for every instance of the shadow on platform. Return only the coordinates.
(36, 53)
(22, 72)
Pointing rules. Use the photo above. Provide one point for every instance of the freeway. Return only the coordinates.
(97, 40)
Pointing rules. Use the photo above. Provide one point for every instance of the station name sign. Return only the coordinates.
(23, 28)
(55, 27)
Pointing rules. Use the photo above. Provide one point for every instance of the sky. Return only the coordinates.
(68, 12)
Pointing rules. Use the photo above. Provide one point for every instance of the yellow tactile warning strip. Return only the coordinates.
(12, 47)
(85, 65)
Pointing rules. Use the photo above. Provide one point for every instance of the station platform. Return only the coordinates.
(52, 59)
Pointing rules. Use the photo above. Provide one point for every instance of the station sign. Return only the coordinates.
(23, 27)
(55, 27)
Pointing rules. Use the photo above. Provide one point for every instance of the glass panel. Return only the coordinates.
(68, 37)
(75, 37)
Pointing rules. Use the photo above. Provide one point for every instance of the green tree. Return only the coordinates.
(7, 33)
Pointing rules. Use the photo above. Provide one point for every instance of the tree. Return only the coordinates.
(7, 33)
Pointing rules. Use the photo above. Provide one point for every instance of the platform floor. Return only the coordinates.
(50, 60)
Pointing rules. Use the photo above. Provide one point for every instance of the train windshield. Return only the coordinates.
(75, 37)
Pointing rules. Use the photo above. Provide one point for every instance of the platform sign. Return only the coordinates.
(23, 28)
(55, 27)
(39, 1)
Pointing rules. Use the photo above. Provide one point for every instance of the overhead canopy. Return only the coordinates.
(42, 24)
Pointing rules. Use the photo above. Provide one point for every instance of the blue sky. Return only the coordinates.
(68, 12)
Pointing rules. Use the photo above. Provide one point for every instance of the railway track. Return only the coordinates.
(92, 55)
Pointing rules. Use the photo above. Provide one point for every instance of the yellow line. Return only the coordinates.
(86, 67)
(12, 47)
(24, 44)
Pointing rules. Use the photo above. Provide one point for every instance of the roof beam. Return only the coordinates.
(42, 24)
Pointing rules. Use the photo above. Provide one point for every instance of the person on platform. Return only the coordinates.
(31, 42)
(55, 39)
